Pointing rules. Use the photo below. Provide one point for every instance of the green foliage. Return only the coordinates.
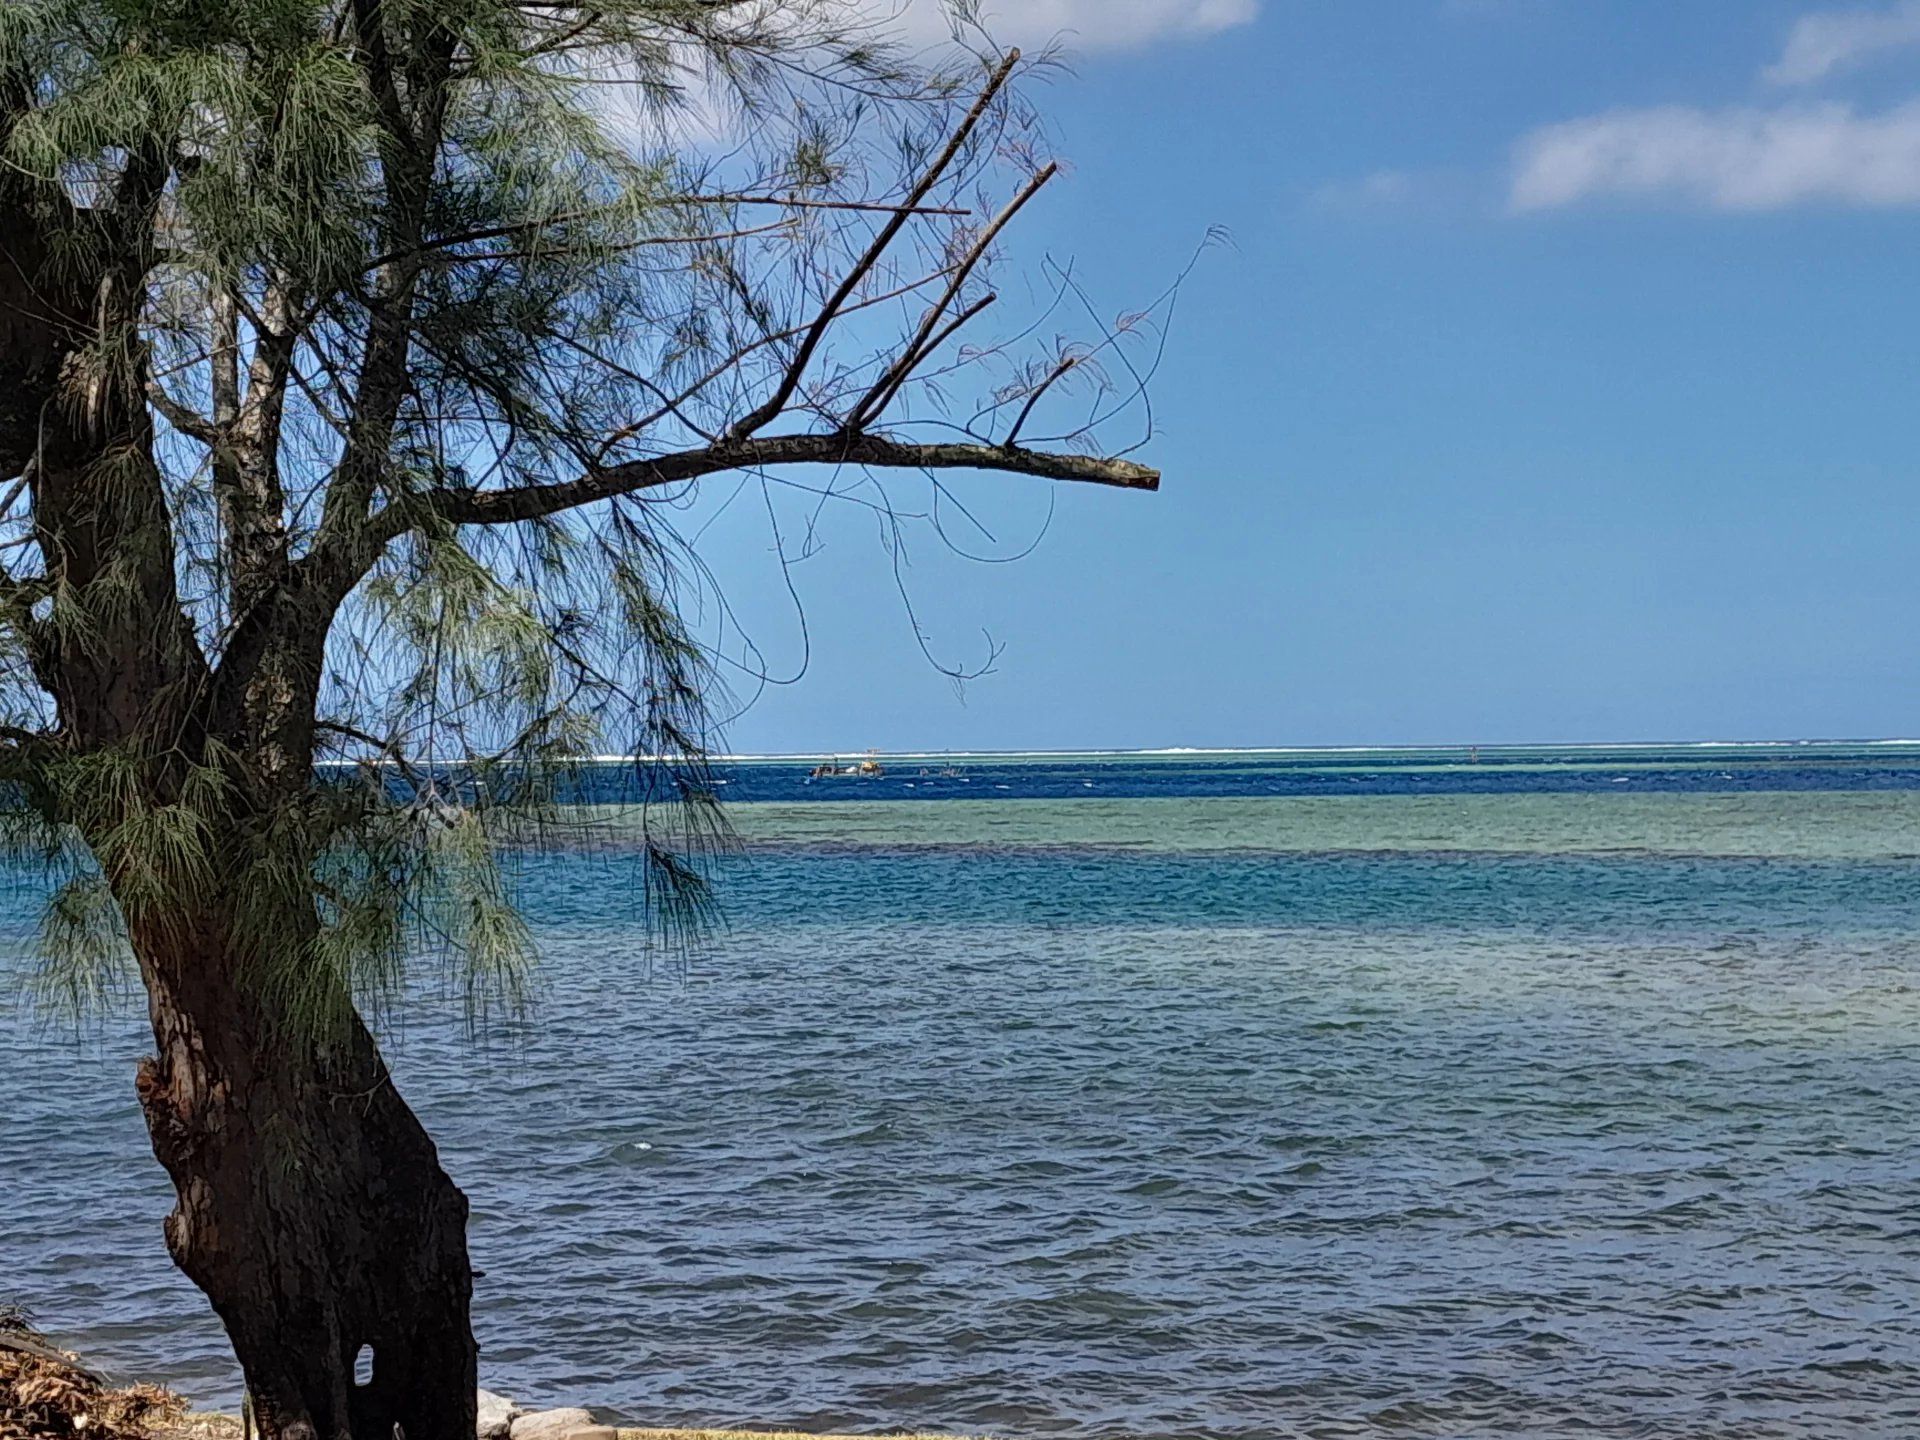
(536, 198)
(83, 947)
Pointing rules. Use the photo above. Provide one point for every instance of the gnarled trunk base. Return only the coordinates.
(313, 1212)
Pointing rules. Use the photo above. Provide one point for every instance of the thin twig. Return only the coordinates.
(794, 202)
(1034, 399)
(790, 382)
(917, 349)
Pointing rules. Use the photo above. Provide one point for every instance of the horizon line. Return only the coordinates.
(1172, 751)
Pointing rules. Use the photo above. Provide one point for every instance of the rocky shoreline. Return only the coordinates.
(568, 1423)
(501, 1419)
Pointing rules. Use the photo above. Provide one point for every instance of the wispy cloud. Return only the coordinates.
(709, 117)
(1382, 190)
(1735, 159)
(1831, 40)
(1083, 25)
(1384, 187)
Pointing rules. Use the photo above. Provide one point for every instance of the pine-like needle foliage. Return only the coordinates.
(424, 307)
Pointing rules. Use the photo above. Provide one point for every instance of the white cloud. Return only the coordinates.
(1083, 25)
(1830, 40)
(1383, 189)
(1737, 159)
(710, 118)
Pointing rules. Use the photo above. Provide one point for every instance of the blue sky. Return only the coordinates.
(1561, 383)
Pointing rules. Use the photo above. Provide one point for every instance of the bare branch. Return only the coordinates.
(190, 423)
(919, 347)
(627, 432)
(881, 395)
(792, 202)
(437, 247)
(803, 357)
(1038, 391)
(20, 486)
(531, 502)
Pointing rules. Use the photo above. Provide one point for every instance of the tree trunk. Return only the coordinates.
(312, 1209)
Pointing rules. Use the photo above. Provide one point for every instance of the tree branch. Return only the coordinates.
(876, 400)
(409, 152)
(532, 502)
(188, 422)
(790, 202)
(881, 395)
(438, 248)
(627, 432)
(328, 573)
(1039, 390)
(803, 357)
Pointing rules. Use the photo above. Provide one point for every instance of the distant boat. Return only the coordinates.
(868, 769)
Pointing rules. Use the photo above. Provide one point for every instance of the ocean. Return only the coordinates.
(1518, 1093)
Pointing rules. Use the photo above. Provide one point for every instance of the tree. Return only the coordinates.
(348, 352)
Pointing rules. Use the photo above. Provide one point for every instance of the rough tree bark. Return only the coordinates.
(313, 1210)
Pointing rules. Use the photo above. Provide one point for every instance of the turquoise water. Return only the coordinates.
(1189, 1101)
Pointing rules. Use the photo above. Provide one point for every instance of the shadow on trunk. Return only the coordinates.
(311, 1209)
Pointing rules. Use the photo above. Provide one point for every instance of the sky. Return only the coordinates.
(1560, 382)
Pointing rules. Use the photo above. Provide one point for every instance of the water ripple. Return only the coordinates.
(1328, 1147)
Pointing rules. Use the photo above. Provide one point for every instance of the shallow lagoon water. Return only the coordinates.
(1222, 1106)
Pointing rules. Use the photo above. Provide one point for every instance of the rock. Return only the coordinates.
(495, 1415)
(573, 1424)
